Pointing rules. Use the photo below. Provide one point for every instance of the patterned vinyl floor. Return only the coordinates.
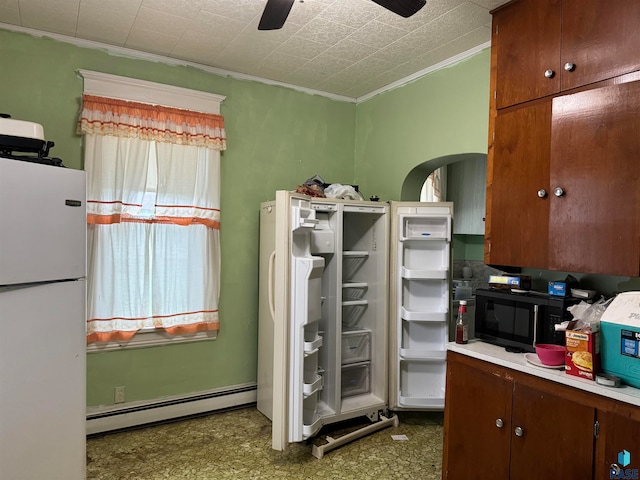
(237, 445)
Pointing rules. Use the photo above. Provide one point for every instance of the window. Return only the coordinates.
(153, 196)
(434, 188)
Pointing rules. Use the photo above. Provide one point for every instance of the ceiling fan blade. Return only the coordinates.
(274, 14)
(404, 8)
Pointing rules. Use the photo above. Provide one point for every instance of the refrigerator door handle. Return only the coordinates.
(272, 262)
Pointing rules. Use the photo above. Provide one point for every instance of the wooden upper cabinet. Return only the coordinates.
(546, 47)
(595, 152)
(517, 222)
(526, 35)
(600, 38)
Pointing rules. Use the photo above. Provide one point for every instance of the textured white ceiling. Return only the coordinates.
(343, 47)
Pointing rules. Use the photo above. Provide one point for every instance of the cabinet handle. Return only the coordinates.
(542, 193)
(569, 67)
(549, 73)
(499, 423)
(519, 432)
(558, 191)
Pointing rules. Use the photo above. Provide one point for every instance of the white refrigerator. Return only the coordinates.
(354, 312)
(42, 321)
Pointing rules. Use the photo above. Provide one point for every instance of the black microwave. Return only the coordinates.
(520, 320)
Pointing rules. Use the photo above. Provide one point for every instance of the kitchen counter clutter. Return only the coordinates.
(508, 419)
(517, 361)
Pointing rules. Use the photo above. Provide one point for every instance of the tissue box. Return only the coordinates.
(583, 352)
(558, 289)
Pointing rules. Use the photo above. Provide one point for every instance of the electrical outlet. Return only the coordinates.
(119, 394)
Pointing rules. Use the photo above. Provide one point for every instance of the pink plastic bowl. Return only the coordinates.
(550, 354)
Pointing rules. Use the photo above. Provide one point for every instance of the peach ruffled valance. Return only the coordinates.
(109, 116)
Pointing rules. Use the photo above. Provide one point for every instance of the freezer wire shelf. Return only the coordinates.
(352, 261)
(352, 312)
(354, 290)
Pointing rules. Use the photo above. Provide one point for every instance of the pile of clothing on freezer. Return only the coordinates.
(317, 187)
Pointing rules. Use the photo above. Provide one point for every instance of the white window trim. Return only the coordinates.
(134, 90)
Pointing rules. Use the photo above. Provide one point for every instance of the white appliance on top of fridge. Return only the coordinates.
(353, 312)
(42, 320)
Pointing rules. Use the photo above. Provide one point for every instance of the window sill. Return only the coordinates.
(150, 338)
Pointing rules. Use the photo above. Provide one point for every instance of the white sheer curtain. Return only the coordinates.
(153, 235)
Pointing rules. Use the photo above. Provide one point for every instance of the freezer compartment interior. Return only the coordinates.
(353, 323)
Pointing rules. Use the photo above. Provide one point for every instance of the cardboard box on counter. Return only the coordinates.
(583, 352)
(522, 282)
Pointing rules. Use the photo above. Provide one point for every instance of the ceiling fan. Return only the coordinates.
(276, 11)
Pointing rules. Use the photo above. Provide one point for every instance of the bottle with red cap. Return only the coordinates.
(462, 327)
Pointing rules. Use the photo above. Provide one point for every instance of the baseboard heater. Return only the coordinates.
(134, 414)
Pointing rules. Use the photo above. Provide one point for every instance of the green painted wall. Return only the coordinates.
(440, 115)
(468, 247)
(277, 138)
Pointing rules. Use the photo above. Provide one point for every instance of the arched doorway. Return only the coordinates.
(413, 182)
(468, 243)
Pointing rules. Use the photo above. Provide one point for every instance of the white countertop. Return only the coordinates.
(516, 361)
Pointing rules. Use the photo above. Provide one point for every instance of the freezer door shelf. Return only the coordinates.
(417, 354)
(422, 383)
(312, 347)
(412, 273)
(432, 316)
(310, 430)
(431, 403)
(313, 387)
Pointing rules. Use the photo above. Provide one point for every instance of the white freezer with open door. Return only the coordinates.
(328, 269)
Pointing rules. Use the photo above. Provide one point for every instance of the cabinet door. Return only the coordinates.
(600, 38)
(618, 434)
(517, 218)
(594, 160)
(476, 426)
(526, 35)
(556, 436)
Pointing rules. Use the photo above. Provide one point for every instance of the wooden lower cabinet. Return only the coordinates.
(503, 424)
(618, 432)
